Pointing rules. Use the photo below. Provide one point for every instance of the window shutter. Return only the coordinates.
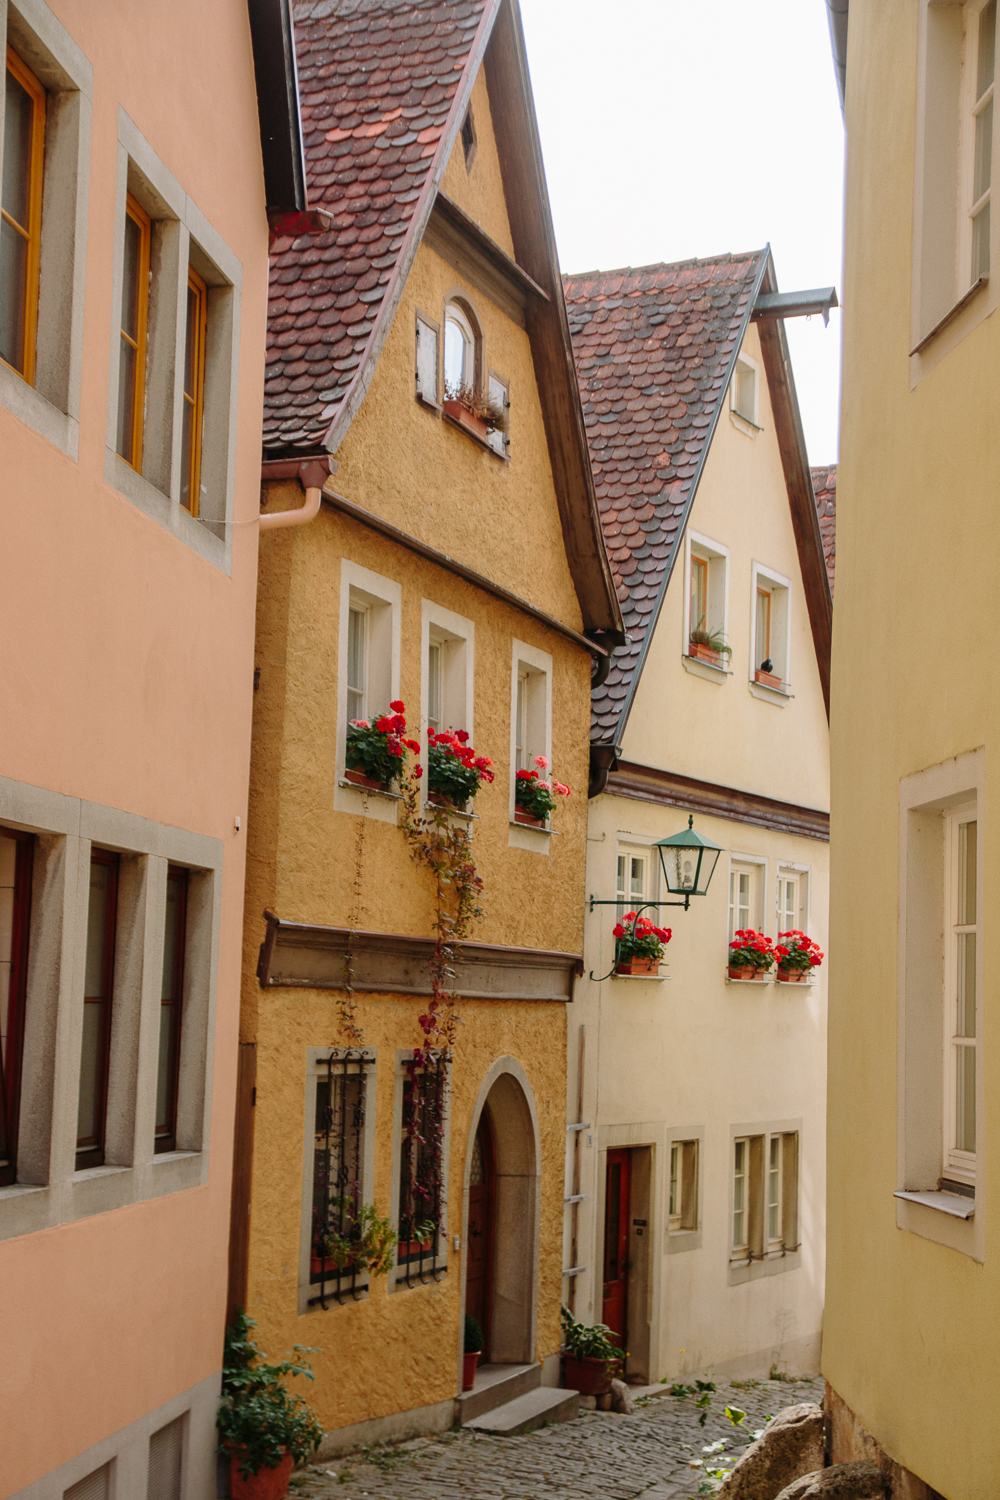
(164, 1479)
(427, 361)
(96, 1486)
(497, 392)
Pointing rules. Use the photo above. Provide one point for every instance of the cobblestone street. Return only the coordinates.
(658, 1453)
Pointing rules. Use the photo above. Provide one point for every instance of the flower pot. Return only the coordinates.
(745, 973)
(636, 965)
(461, 414)
(793, 976)
(591, 1377)
(767, 678)
(469, 1362)
(520, 816)
(704, 653)
(360, 779)
(269, 1484)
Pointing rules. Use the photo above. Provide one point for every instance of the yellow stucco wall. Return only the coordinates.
(397, 1351)
(909, 1337)
(478, 188)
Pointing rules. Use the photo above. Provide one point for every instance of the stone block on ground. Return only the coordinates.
(621, 1398)
(789, 1447)
(862, 1480)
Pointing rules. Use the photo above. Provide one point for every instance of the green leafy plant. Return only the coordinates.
(259, 1420)
(473, 1335)
(588, 1341)
(712, 640)
(376, 747)
(535, 796)
(454, 770)
(637, 937)
(751, 950)
(369, 1241)
(797, 953)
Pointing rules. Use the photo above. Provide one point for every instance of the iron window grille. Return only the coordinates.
(421, 1174)
(338, 1188)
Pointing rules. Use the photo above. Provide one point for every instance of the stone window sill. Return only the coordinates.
(704, 669)
(955, 1204)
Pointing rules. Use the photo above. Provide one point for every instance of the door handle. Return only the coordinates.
(475, 1234)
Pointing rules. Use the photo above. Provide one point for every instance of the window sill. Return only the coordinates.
(644, 978)
(956, 1205)
(743, 424)
(534, 827)
(757, 983)
(704, 670)
(31, 408)
(370, 791)
(501, 458)
(778, 696)
(453, 812)
(952, 312)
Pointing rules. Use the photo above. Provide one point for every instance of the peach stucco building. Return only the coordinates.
(133, 280)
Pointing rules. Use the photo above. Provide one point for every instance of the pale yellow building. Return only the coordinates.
(913, 1286)
(454, 565)
(698, 1174)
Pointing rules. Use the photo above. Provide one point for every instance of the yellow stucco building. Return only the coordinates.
(453, 564)
(912, 1288)
(697, 1230)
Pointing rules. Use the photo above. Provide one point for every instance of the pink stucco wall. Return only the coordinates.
(126, 679)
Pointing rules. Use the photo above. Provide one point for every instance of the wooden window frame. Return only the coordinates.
(196, 399)
(699, 569)
(92, 1154)
(166, 1139)
(10, 1062)
(959, 1165)
(32, 231)
(135, 211)
(683, 1196)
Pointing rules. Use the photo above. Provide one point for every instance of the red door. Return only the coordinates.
(482, 1199)
(616, 1262)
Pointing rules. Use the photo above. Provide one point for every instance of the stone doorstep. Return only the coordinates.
(525, 1413)
(495, 1386)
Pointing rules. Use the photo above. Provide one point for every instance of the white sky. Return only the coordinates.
(680, 128)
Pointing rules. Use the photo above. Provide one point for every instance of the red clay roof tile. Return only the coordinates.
(824, 480)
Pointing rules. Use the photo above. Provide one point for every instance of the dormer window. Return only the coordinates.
(468, 138)
(459, 351)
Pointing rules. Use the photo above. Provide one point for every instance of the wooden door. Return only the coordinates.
(482, 1214)
(616, 1261)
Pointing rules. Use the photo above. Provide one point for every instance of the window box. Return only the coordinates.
(704, 653)
(635, 965)
(793, 976)
(527, 819)
(360, 779)
(769, 679)
(757, 975)
(460, 413)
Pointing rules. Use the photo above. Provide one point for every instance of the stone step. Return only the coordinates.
(495, 1385)
(544, 1404)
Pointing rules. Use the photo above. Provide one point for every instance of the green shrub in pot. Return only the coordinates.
(259, 1420)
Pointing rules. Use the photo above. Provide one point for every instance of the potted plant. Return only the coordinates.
(264, 1430)
(375, 750)
(473, 1349)
(454, 771)
(751, 954)
(639, 945)
(797, 957)
(474, 411)
(534, 798)
(708, 645)
(365, 1242)
(590, 1359)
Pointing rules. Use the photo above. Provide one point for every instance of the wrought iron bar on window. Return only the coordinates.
(421, 1177)
(338, 1167)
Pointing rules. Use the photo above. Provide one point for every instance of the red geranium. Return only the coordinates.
(638, 937)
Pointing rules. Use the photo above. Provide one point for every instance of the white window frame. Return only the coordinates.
(455, 312)
(538, 667)
(748, 425)
(457, 638)
(971, 106)
(382, 598)
(958, 1165)
(801, 875)
(182, 237)
(51, 405)
(754, 865)
(761, 1254)
(926, 800)
(315, 1074)
(780, 589)
(683, 1227)
(716, 555)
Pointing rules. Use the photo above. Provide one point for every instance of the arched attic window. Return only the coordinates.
(460, 351)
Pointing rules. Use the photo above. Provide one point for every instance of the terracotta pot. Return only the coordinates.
(745, 973)
(793, 976)
(767, 678)
(591, 1377)
(469, 1362)
(360, 779)
(638, 966)
(704, 653)
(269, 1484)
(463, 416)
(520, 816)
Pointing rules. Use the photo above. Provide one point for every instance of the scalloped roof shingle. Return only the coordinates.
(377, 79)
(654, 347)
(824, 479)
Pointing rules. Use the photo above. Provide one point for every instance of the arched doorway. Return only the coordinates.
(500, 1265)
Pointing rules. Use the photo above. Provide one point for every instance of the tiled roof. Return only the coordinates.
(825, 489)
(653, 350)
(377, 79)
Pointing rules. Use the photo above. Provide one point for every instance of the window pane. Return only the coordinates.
(699, 593)
(965, 1098)
(745, 392)
(981, 243)
(638, 885)
(97, 928)
(763, 626)
(774, 1189)
(966, 874)
(126, 398)
(455, 357)
(521, 727)
(434, 685)
(675, 1152)
(743, 904)
(130, 278)
(739, 1194)
(87, 1122)
(987, 48)
(19, 112)
(356, 663)
(187, 422)
(966, 1017)
(163, 1110)
(984, 151)
(13, 279)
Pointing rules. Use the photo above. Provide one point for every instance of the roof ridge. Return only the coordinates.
(729, 256)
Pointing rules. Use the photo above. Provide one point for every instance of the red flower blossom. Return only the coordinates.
(418, 771)
(384, 725)
(461, 734)
(413, 745)
(398, 706)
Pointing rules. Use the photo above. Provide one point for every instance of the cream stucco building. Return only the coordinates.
(695, 1187)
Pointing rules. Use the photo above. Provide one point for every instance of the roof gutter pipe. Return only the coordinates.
(312, 474)
(603, 760)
